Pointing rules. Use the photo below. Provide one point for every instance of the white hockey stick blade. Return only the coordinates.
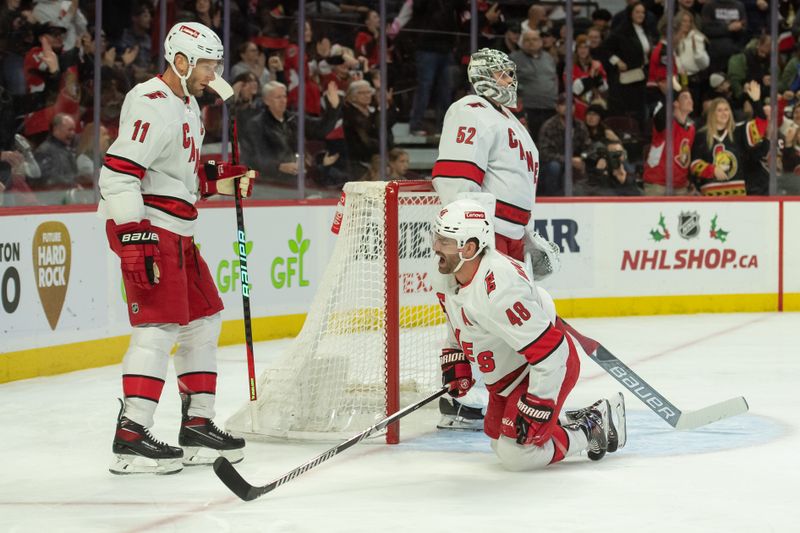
(712, 413)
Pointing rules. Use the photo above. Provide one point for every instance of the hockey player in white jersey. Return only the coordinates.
(486, 154)
(501, 323)
(149, 184)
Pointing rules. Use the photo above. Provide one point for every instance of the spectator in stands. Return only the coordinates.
(589, 85)
(511, 38)
(64, 14)
(598, 131)
(683, 136)
(537, 81)
(361, 125)
(51, 76)
(725, 25)
(253, 60)
(791, 149)
(398, 161)
(608, 172)
(85, 154)
(751, 64)
(693, 8)
(757, 12)
(269, 138)
(691, 57)
(293, 64)
(367, 42)
(136, 38)
(16, 39)
(551, 150)
(245, 96)
(719, 149)
(56, 156)
(205, 12)
(721, 87)
(11, 160)
(628, 46)
(537, 19)
(345, 68)
(439, 22)
(790, 75)
(601, 21)
(622, 17)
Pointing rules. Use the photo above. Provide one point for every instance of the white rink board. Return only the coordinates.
(791, 247)
(286, 266)
(619, 249)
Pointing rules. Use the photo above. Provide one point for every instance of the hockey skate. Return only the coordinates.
(595, 424)
(617, 430)
(202, 441)
(459, 417)
(137, 452)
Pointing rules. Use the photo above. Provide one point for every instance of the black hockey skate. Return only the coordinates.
(459, 417)
(617, 431)
(202, 441)
(137, 452)
(594, 423)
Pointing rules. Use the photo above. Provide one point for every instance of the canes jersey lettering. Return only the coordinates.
(485, 148)
(150, 171)
(498, 322)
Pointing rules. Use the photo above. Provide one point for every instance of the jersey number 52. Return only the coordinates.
(465, 135)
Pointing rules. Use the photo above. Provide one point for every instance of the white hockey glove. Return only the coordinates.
(544, 255)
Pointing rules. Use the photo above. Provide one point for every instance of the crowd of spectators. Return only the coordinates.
(721, 85)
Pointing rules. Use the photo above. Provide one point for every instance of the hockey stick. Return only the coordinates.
(648, 395)
(244, 278)
(233, 480)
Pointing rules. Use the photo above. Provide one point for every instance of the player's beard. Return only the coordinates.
(194, 86)
(447, 263)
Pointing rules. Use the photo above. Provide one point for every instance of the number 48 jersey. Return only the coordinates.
(499, 322)
(484, 148)
(150, 171)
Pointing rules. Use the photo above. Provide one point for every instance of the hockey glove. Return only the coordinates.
(219, 179)
(533, 420)
(456, 372)
(139, 253)
(544, 255)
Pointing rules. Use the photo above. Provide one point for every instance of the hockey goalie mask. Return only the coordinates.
(493, 75)
(196, 41)
(461, 221)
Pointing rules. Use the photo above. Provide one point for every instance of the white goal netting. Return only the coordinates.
(337, 376)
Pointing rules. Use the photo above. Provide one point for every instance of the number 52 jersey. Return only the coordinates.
(484, 148)
(150, 171)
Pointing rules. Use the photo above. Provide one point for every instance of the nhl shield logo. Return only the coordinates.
(689, 224)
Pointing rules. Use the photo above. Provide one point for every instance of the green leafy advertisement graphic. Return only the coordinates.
(300, 245)
(248, 247)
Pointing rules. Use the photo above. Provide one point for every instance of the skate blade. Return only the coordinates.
(123, 465)
(618, 409)
(448, 423)
(198, 455)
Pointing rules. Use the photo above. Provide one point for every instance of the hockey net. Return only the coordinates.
(371, 340)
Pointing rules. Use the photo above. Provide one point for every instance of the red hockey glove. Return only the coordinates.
(456, 372)
(139, 253)
(533, 420)
(219, 179)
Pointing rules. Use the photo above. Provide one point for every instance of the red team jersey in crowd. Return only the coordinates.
(682, 139)
(498, 322)
(485, 148)
(150, 171)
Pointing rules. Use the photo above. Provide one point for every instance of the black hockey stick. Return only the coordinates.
(244, 277)
(244, 490)
(649, 396)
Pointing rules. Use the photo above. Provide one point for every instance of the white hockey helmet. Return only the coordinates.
(463, 220)
(195, 41)
(482, 69)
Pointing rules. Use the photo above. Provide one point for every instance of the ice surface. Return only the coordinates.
(740, 474)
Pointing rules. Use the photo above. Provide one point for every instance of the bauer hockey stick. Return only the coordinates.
(651, 397)
(233, 480)
(244, 277)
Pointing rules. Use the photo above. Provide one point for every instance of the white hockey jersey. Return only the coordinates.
(499, 323)
(150, 171)
(484, 148)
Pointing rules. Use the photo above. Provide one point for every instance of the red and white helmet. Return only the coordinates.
(463, 220)
(195, 41)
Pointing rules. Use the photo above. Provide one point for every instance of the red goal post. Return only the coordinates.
(372, 336)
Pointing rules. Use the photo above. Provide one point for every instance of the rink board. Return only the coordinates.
(62, 305)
